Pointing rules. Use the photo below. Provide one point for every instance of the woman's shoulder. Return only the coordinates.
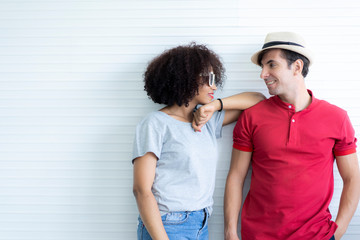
(153, 118)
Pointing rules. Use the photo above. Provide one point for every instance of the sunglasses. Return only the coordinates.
(210, 77)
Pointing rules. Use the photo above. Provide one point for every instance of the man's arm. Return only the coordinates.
(233, 106)
(348, 166)
(240, 162)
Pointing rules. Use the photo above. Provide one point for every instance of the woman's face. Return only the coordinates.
(207, 89)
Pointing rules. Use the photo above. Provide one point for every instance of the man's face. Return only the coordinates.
(277, 75)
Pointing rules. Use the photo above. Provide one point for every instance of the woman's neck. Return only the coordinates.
(181, 113)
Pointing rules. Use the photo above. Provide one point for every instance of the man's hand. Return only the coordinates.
(338, 234)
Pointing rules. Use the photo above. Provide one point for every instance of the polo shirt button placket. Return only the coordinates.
(293, 130)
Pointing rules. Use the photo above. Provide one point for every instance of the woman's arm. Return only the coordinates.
(144, 175)
(233, 106)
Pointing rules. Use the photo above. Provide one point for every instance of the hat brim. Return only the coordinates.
(303, 51)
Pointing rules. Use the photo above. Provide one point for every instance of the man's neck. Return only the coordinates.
(300, 99)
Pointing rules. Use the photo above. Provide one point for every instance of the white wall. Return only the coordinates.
(71, 93)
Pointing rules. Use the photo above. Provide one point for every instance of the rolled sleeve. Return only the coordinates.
(241, 134)
(346, 144)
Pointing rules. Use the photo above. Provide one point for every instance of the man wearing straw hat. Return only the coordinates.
(291, 141)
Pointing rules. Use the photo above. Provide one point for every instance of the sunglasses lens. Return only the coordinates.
(211, 79)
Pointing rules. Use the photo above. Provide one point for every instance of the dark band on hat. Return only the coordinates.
(274, 43)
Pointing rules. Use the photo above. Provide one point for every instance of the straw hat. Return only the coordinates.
(284, 40)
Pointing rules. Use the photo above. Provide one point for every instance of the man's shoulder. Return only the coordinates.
(261, 106)
(326, 106)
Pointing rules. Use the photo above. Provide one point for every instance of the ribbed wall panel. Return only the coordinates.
(71, 93)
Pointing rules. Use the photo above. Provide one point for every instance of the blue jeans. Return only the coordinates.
(181, 226)
(332, 238)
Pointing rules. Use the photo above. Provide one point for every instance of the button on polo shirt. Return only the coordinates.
(292, 167)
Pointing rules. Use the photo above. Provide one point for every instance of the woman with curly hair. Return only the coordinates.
(174, 165)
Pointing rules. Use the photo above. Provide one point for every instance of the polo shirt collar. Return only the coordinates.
(289, 106)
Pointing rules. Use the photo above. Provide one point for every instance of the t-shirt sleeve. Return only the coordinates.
(148, 138)
(216, 123)
(346, 144)
(242, 139)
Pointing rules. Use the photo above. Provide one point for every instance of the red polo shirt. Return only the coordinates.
(292, 167)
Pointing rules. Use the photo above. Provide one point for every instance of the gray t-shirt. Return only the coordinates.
(186, 166)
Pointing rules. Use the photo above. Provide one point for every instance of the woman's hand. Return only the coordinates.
(202, 116)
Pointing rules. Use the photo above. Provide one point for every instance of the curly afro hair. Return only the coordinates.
(173, 76)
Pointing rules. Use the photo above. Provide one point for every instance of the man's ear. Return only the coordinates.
(298, 67)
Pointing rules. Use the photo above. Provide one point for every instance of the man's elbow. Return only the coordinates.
(260, 96)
